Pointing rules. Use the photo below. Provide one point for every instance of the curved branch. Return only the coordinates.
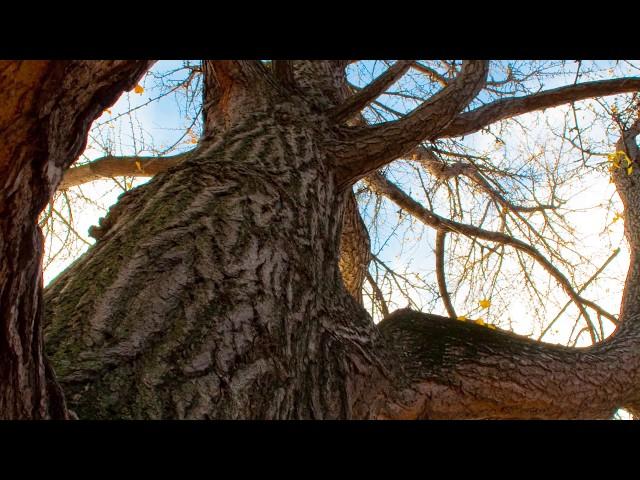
(365, 149)
(466, 371)
(46, 111)
(479, 118)
(626, 183)
(443, 171)
(431, 73)
(384, 187)
(440, 273)
(354, 104)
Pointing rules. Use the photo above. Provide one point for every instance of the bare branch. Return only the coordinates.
(440, 273)
(378, 295)
(443, 171)
(431, 73)
(365, 149)
(384, 187)
(479, 118)
(580, 290)
(109, 166)
(357, 102)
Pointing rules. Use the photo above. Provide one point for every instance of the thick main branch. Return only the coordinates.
(460, 370)
(493, 112)
(354, 104)
(365, 149)
(47, 109)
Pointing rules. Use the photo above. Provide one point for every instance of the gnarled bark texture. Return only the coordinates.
(214, 290)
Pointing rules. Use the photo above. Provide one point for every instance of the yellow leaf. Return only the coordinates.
(485, 303)
(480, 322)
(106, 110)
(629, 169)
(138, 89)
(139, 165)
(617, 216)
(462, 318)
(616, 157)
(492, 327)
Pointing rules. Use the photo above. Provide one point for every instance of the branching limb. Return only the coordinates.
(580, 290)
(109, 167)
(365, 149)
(443, 172)
(354, 104)
(384, 187)
(479, 118)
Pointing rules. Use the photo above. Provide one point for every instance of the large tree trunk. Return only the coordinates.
(214, 291)
(46, 112)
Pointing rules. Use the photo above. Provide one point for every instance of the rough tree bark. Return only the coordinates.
(214, 290)
(46, 111)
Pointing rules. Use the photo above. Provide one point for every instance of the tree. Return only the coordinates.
(230, 285)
